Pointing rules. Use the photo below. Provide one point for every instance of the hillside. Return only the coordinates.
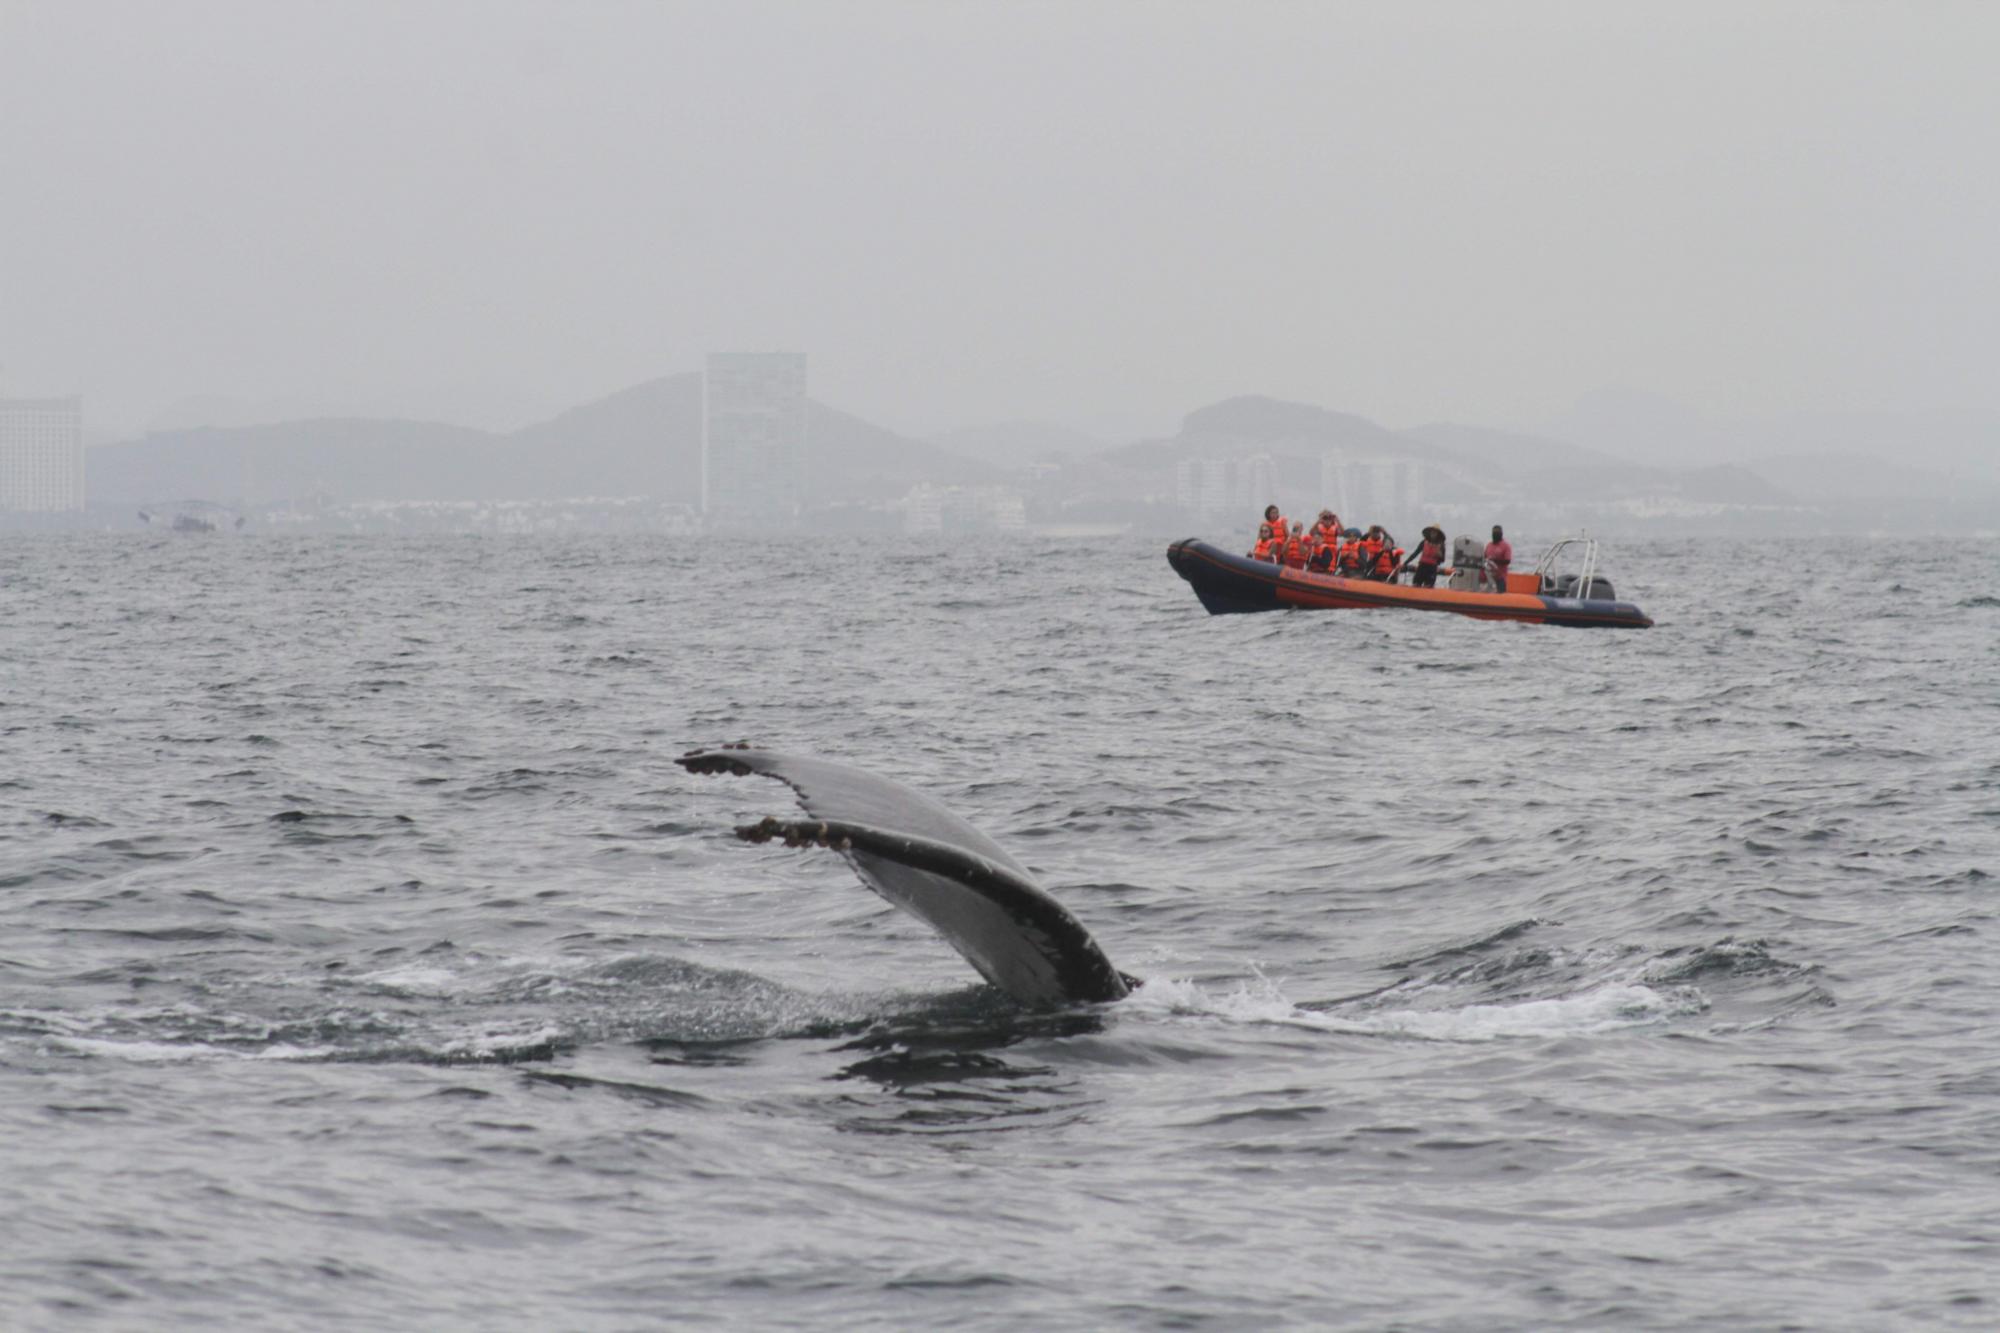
(1254, 424)
(1483, 448)
(340, 459)
(1017, 444)
(641, 441)
(645, 442)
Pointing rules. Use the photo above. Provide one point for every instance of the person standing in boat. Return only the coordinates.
(1326, 532)
(1499, 555)
(1429, 555)
(1277, 521)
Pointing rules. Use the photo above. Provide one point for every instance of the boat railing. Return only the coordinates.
(1545, 568)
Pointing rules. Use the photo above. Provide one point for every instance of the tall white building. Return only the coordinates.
(1227, 489)
(1364, 491)
(929, 510)
(753, 438)
(41, 454)
(1201, 485)
(1256, 484)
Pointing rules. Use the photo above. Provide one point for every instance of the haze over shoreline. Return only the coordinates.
(639, 452)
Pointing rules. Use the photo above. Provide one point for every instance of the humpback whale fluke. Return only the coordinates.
(932, 864)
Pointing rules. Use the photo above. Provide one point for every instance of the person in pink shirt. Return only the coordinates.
(1499, 555)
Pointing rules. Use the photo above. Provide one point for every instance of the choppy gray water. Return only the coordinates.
(365, 961)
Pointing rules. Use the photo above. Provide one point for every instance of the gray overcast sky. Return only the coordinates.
(1104, 214)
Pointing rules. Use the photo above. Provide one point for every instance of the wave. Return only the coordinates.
(495, 1010)
(486, 1010)
(1513, 930)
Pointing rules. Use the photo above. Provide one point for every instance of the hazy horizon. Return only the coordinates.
(1100, 216)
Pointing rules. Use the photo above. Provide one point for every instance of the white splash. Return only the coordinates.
(417, 980)
(1607, 1008)
(143, 1052)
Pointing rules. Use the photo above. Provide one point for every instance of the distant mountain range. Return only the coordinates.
(646, 442)
(1016, 444)
(1468, 462)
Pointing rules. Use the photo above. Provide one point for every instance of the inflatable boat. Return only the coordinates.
(1228, 583)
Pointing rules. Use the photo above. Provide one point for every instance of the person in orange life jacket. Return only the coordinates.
(1295, 547)
(1379, 554)
(1499, 555)
(1277, 521)
(1429, 555)
(1311, 536)
(1371, 552)
(1390, 559)
(1262, 550)
(1322, 544)
(1348, 561)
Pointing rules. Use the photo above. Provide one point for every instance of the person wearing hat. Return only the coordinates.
(1427, 557)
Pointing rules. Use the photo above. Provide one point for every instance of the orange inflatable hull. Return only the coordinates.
(1228, 583)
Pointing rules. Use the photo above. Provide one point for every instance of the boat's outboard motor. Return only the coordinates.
(1565, 585)
(1468, 561)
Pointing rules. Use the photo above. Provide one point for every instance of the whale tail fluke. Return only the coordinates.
(929, 862)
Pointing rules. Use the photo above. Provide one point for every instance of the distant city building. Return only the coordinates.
(1202, 486)
(1256, 484)
(753, 438)
(929, 510)
(923, 510)
(1364, 491)
(1225, 488)
(41, 454)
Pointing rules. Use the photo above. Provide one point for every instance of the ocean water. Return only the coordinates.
(367, 962)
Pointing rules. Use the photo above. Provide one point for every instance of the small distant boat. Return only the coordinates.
(195, 517)
(1227, 583)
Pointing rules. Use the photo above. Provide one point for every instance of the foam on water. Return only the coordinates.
(1605, 1008)
(147, 1052)
(418, 979)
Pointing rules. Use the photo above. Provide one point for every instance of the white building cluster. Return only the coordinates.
(1224, 488)
(41, 454)
(931, 510)
(1373, 490)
